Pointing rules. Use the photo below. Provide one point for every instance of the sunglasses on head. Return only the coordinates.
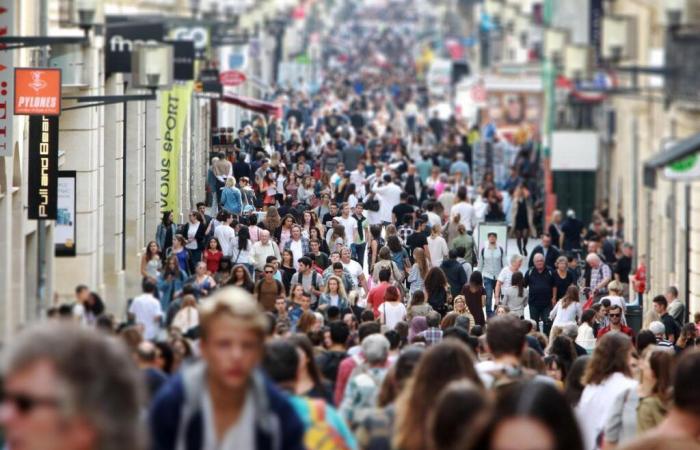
(25, 403)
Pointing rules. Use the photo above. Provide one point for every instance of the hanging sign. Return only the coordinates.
(121, 33)
(174, 106)
(232, 78)
(64, 228)
(6, 81)
(183, 62)
(37, 91)
(42, 168)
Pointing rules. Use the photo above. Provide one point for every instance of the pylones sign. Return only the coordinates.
(175, 104)
(42, 180)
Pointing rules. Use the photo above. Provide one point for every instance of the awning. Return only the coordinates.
(253, 104)
(674, 153)
(677, 151)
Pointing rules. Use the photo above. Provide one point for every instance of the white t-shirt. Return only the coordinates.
(392, 313)
(350, 225)
(146, 309)
(433, 219)
(389, 196)
(225, 234)
(239, 435)
(505, 278)
(191, 233)
(355, 270)
(438, 250)
(466, 214)
(297, 251)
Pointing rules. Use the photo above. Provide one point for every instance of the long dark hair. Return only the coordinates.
(375, 231)
(518, 280)
(166, 218)
(243, 238)
(394, 244)
(349, 189)
(303, 343)
(543, 403)
(435, 280)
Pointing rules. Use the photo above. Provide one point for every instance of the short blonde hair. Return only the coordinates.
(236, 303)
(616, 287)
(230, 182)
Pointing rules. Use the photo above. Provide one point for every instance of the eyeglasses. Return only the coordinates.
(614, 314)
(25, 403)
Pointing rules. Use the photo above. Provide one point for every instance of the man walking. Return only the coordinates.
(541, 292)
(490, 265)
(223, 402)
(550, 252)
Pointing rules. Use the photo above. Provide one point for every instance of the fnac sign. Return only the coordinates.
(37, 92)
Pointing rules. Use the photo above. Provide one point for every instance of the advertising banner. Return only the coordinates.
(37, 91)
(6, 80)
(174, 106)
(121, 35)
(42, 167)
(64, 228)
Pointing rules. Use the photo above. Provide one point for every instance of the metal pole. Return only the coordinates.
(124, 152)
(41, 224)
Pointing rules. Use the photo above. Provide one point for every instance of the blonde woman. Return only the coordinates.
(333, 295)
(437, 246)
(188, 316)
(418, 270)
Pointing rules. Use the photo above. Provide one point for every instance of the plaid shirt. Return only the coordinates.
(599, 274)
(432, 336)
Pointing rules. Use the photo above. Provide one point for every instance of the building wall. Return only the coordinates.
(656, 220)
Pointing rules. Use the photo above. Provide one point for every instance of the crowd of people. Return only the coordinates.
(330, 292)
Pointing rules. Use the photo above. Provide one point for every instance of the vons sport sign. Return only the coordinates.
(37, 92)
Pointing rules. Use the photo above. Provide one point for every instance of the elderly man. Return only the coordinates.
(503, 281)
(541, 292)
(597, 275)
(70, 388)
(262, 249)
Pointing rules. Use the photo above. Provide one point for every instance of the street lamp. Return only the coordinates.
(151, 68)
(577, 61)
(616, 38)
(555, 40)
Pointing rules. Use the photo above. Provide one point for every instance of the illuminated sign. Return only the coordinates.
(42, 180)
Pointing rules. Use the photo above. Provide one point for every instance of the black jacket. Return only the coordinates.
(550, 260)
(456, 276)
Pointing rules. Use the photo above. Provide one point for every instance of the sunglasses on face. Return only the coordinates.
(614, 314)
(26, 403)
(269, 271)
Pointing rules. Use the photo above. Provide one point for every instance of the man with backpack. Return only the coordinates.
(490, 265)
(267, 290)
(323, 426)
(308, 278)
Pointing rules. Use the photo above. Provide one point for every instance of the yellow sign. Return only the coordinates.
(174, 107)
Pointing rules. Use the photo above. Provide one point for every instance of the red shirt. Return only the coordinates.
(213, 260)
(624, 329)
(376, 296)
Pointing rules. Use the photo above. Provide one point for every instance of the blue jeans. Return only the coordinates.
(541, 312)
(489, 286)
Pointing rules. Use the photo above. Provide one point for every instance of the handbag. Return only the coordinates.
(371, 204)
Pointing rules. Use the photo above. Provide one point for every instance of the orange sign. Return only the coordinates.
(37, 92)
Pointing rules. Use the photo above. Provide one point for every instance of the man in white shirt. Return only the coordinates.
(467, 217)
(349, 223)
(354, 268)
(389, 195)
(225, 234)
(145, 310)
(262, 249)
(298, 245)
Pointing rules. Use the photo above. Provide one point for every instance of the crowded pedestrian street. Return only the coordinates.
(349, 225)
